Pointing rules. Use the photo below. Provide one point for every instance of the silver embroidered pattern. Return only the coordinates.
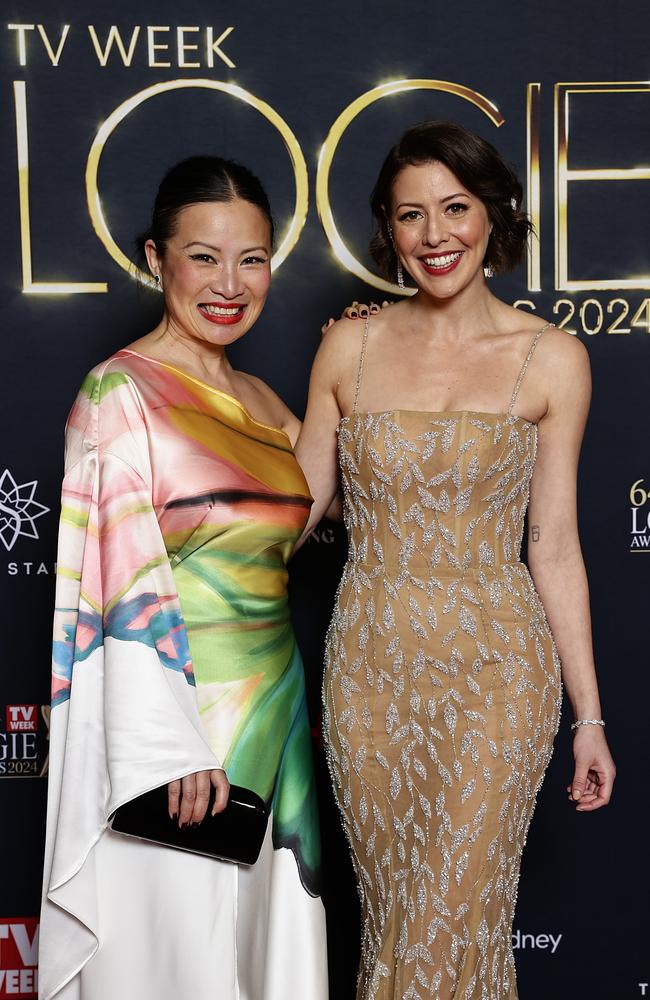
(442, 695)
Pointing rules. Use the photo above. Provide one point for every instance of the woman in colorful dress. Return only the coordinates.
(442, 685)
(174, 657)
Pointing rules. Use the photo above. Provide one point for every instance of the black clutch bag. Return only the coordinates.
(235, 834)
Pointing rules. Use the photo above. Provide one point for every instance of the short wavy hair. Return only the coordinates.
(479, 168)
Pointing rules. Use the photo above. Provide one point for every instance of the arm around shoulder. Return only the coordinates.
(317, 445)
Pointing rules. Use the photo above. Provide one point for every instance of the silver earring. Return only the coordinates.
(156, 278)
(400, 271)
(488, 272)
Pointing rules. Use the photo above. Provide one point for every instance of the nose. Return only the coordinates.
(436, 231)
(228, 282)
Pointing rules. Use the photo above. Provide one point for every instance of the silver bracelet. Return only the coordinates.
(587, 722)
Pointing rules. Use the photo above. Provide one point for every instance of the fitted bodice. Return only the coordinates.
(443, 491)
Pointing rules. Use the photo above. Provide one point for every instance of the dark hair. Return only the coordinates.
(479, 168)
(200, 179)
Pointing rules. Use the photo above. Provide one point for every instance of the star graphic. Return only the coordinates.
(18, 510)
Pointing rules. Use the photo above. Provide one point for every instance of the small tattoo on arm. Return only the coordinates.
(534, 528)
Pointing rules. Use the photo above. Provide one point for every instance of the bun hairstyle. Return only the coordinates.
(200, 179)
(479, 168)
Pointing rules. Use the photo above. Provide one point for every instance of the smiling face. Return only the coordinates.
(440, 229)
(215, 271)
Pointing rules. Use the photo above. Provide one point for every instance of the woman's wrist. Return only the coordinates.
(594, 723)
(586, 706)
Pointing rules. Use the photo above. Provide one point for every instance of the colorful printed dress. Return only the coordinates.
(174, 652)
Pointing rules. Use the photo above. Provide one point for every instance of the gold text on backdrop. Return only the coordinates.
(95, 209)
(564, 174)
(22, 150)
(341, 252)
(100, 226)
(160, 44)
(590, 312)
(533, 98)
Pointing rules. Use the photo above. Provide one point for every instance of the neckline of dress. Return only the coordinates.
(441, 413)
(206, 385)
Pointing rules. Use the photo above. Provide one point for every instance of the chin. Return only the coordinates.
(441, 288)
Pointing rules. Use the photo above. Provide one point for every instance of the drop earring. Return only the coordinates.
(488, 272)
(158, 281)
(400, 271)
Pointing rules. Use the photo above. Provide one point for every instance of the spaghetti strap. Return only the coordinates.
(522, 372)
(361, 360)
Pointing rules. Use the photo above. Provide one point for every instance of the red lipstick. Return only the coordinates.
(457, 256)
(228, 316)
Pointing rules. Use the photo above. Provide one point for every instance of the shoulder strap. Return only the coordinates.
(522, 371)
(361, 360)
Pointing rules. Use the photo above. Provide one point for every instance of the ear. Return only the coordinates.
(154, 259)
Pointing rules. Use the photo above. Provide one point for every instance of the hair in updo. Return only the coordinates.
(200, 179)
(479, 168)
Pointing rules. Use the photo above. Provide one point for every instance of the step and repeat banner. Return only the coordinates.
(97, 101)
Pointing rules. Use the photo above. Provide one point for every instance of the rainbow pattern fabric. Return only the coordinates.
(173, 647)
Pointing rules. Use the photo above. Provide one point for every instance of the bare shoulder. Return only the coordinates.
(563, 363)
(556, 348)
(343, 337)
(339, 349)
(562, 352)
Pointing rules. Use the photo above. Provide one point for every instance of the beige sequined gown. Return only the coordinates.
(442, 694)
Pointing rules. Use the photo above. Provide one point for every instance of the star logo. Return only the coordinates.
(18, 510)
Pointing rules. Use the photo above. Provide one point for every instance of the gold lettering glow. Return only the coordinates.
(214, 48)
(341, 252)
(22, 30)
(184, 47)
(100, 225)
(153, 46)
(533, 94)
(564, 175)
(114, 38)
(30, 286)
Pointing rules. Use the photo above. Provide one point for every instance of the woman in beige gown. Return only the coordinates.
(443, 683)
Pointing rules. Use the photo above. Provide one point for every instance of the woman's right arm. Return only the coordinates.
(316, 449)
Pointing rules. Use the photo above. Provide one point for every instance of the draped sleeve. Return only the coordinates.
(124, 710)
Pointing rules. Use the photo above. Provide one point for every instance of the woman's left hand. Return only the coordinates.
(189, 797)
(357, 310)
(594, 773)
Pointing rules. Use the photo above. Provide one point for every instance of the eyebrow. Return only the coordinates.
(199, 243)
(449, 197)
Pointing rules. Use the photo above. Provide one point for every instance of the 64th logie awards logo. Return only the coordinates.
(18, 510)
(640, 514)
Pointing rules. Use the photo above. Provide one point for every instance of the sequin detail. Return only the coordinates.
(441, 694)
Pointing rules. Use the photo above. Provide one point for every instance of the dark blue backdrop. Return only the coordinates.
(579, 926)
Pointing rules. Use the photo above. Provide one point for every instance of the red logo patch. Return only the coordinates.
(18, 957)
(22, 718)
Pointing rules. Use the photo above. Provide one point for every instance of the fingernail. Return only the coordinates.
(576, 793)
